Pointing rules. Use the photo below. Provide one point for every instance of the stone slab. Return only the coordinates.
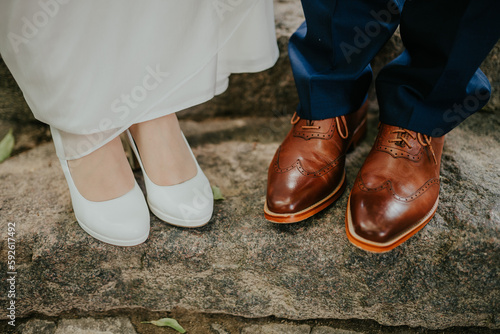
(330, 330)
(239, 264)
(118, 325)
(218, 329)
(277, 329)
(38, 326)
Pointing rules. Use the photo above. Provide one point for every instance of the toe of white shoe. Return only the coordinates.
(122, 221)
(189, 204)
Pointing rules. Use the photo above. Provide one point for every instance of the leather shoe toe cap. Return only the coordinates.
(376, 217)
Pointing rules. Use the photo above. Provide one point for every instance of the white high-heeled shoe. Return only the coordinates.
(187, 204)
(123, 221)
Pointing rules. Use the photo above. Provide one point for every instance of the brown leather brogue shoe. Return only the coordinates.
(307, 172)
(396, 191)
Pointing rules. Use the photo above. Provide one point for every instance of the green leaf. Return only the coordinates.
(217, 193)
(6, 146)
(166, 322)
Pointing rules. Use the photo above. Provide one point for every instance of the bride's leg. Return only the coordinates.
(163, 151)
(104, 174)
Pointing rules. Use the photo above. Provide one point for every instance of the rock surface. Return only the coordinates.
(277, 329)
(38, 326)
(218, 329)
(120, 325)
(329, 330)
(115, 325)
(252, 94)
(239, 264)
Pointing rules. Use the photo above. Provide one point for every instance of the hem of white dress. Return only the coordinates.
(154, 111)
(221, 86)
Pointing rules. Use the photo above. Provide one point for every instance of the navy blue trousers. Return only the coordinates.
(430, 88)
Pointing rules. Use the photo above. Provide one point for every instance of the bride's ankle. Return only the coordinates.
(166, 157)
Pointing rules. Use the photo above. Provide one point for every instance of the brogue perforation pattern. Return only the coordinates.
(320, 172)
(388, 185)
(394, 152)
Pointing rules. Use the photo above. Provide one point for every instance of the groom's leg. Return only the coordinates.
(428, 90)
(330, 57)
(331, 52)
(436, 82)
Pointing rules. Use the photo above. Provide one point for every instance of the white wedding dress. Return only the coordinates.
(92, 68)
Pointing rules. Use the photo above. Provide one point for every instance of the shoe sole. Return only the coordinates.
(179, 222)
(114, 242)
(376, 247)
(290, 218)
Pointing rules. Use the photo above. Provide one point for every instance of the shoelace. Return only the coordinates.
(310, 125)
(424, 140)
